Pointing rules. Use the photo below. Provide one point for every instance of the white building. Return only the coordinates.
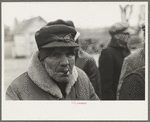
(24, 37)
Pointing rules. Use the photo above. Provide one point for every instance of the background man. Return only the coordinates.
(111, 59)
(131, 84)
(52, 74)
(88, 64)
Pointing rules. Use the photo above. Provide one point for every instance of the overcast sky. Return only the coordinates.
(84, 14)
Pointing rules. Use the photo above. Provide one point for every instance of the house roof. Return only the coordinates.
(25, 24)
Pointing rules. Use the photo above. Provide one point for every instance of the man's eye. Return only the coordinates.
(56, 54)
(70, 54)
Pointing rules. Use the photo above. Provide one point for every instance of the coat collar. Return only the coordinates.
(138, 58)
(121, 46)
(41, 78)
(117, 43)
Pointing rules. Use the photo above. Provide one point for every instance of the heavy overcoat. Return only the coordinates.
(88, 65)
(36, 84)
(110, 64)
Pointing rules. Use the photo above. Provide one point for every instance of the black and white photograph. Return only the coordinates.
(74, 60)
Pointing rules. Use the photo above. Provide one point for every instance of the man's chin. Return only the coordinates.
(62, 78)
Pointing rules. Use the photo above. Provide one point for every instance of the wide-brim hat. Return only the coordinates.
(57, 34)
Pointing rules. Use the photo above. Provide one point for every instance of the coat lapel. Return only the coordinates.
(41, 78)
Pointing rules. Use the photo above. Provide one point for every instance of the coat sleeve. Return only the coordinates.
(93, 73)
(11, 94)
(93, 95)
(106, 64)
(133, 87)
(84, 88)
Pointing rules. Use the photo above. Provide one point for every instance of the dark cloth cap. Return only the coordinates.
(56, 34)
(70, 23)
(60, 21)
(118, 27)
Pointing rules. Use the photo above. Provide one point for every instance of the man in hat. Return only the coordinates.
(111, 59)
(88, 64)
(52, 74)
(131, 84)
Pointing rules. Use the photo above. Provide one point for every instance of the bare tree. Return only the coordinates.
(126, 12)
(141, 14)
(141, 17)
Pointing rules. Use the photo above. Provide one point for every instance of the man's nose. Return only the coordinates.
(64, 61)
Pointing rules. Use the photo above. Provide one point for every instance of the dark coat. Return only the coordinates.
(88, 65)
(110, 63)
(35, 84)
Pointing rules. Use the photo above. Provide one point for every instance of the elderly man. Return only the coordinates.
(52, 74)
(111, 59)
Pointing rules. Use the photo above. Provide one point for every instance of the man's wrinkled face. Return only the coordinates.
(60, 63)
(122, 36)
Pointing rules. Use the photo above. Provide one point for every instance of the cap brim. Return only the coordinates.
(129, 30)
(60, 44)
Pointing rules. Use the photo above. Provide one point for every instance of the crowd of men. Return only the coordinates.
(62, 70)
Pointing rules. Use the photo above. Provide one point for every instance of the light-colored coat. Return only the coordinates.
(131, 64)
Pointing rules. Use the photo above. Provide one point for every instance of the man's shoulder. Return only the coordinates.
(82, 75)
(86, 56)
(20, 80)
(107, 49)
(85, 61)
(135, 58)
(83, 80)
(22, 76)
(134, 55)
(80, 71)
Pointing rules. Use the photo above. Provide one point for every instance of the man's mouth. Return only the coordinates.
(64, 72)
(67, 72)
